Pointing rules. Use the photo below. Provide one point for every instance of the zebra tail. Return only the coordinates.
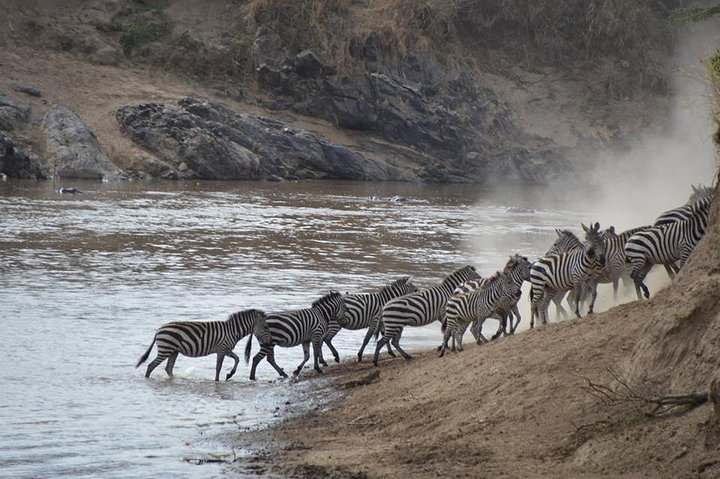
(144, 357)
(248, 349)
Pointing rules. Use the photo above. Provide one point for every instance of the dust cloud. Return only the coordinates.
(633, 186)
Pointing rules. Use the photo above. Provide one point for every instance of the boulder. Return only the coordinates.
(15, 163)
(12, 113)
(73, 149)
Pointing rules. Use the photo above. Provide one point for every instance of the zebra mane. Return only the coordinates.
(246, 313)
(331, 296)
(455, 274)
(397, 282)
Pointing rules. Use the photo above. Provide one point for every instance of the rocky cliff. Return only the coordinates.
(366, 90)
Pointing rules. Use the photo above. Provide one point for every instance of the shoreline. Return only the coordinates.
(517, 407)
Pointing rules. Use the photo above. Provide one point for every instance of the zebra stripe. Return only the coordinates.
(300, 327)
(418, 309)
(195, 339)
(518, 268)
(562, 272)
(684, 212)
(362, 311)
(665, 244)
(462, 309)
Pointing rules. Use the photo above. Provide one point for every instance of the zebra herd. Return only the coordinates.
(462, 300)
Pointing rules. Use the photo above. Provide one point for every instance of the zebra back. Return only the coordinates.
(290, 328)
(684, 212)
(671, 242)
(362, 309)
(426, 305)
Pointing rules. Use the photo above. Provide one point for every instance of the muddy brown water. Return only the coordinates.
(86, 278)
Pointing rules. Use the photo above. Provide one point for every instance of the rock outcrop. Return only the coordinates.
(202, 139)
(15, 162)
(73, 149)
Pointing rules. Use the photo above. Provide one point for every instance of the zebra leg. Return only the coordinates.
(593, 297)
(671, 270)
(382, 342)
(396, 342)
(557, 299)
(306, 356)
(232, 371)
(446, 338)
(317, 352)
(368, 335)
(171, 363)
(328, 341)
(514, 325)
(155, 363)
(271, 360)
(459, 333)
(616, 284)
(218, 365)
(501, 325)
(638, 276)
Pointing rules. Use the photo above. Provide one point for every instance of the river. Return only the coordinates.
(85, 279)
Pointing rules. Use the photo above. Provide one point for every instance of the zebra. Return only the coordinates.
(462, 309)
(518, 268)
(301, 326)
(362, 311)
(556, 273)
(195, 339)
(566, 241)
(418, 309)
(666, 244)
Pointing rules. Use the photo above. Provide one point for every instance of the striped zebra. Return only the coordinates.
(463, 309)
(556, 273)
(518, 268)
(301, 326)
(566, 241)
(616, 263)
(195, 339)
(666, 244)
(418, 309)
(362, 311)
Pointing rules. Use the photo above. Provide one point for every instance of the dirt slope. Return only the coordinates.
(520, 407)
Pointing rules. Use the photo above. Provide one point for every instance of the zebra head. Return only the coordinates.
(510, 290)
(332, 306)
(566, 241)
(595, 244)
(464, 274)
(518, 267)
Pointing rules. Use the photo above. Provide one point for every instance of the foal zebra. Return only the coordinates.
(418, 309)
(362, 311)
(197, 339)
(556, 273)
(462, 309)
(666, 244)
(301, 326)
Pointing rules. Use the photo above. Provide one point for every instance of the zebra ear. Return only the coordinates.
(596, 227)
(559, 232)
(695, 190)
(585, 228)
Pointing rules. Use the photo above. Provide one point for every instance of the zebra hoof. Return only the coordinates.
(296, 372)
(320, 371)
(337, 359)
(392, 355)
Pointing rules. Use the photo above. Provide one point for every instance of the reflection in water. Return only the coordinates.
(85, 280)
